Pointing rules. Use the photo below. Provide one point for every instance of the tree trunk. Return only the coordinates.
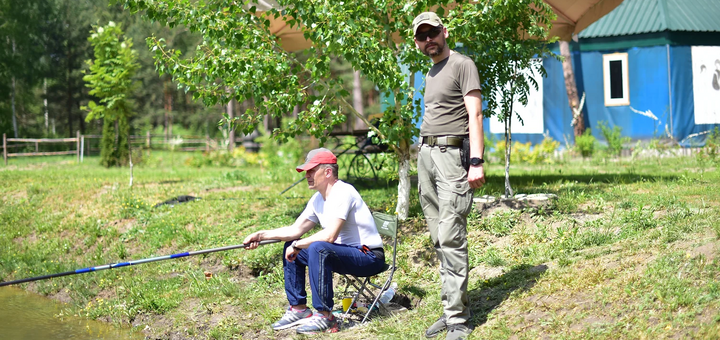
(404, 185)
(358, 101)
(45, 105)
(69, 89)
(231, 133)
(571, 88)
(508, 141)
(168, 110)
(12, 98)
(508, 150)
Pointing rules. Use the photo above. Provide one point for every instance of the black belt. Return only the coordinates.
(442, 141)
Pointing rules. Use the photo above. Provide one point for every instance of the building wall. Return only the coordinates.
(648, 90)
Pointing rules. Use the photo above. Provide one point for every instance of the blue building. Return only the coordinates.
(651, 67)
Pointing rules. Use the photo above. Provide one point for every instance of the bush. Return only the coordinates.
(585, 144)
(526, 152)
(238, 157)
(613, 137)
(712, 147)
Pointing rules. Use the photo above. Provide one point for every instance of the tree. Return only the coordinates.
(578, 122)
(240, 59)
(504, 38)
(110, 79)
(23, 28)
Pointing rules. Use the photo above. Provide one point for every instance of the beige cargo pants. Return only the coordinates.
(446, 199)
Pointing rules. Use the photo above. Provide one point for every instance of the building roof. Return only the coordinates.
(650, 16)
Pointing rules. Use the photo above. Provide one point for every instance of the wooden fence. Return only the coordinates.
(150, 141)
(83, 147)
(37, 141)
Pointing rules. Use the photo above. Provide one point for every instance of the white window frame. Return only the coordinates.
(607, 58)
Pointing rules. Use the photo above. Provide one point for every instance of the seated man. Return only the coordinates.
(348, 243)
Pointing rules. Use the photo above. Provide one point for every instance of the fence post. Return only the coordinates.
(207, 143)
(5, 149)
(77, 145)
(82, 147)
(37, 149)
(147, 139)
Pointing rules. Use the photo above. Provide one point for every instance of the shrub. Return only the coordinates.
(613, 137)
(526, 152)
(712, 147)
(585, 144)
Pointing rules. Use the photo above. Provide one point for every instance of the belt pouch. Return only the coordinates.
(465, 154)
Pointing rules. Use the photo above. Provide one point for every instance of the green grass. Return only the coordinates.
(627, 251)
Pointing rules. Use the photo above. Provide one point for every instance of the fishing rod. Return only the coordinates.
(131, 263)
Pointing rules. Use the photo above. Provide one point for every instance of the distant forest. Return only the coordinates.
(43, 52)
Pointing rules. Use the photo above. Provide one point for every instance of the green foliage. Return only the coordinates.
(585, 144)
(501, 224)
(110, 78)
(239, 58)
(25, 30)
(526, 152)
(613, 137)
(541, 153)
(711, 151)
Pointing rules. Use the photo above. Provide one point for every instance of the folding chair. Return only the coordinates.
(387, 225)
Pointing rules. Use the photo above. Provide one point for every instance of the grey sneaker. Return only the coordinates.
(458, 331)
(292, 318)
(318, 324)
(435, 329)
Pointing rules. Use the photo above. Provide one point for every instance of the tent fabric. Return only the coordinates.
(574, 16)
(683, 101)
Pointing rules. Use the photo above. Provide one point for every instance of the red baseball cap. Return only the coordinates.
(315, 157)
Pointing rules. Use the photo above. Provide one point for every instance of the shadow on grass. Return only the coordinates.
(492, 293)
(529, 179)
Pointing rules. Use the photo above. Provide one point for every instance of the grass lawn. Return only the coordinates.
(629, 250)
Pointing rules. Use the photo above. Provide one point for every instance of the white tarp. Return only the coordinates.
(706, 84)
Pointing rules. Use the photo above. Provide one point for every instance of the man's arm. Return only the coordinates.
(473, 105)
(289, 233)
(328, 234)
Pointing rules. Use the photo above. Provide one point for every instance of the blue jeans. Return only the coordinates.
(322, 259)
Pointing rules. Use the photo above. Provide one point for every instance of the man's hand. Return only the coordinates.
(476, 176)
(252, 241)
(291, 253)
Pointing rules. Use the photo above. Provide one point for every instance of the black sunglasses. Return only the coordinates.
(432, 33)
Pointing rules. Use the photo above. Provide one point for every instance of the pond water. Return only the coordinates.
(28, 316)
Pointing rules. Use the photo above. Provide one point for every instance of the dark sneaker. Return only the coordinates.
(458, 331)
(436, 328)
(318, 324)
(292, 318)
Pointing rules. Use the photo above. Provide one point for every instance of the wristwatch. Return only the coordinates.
(475, 161)
(294, 245)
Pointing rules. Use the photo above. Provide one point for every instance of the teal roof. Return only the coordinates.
(650, 16)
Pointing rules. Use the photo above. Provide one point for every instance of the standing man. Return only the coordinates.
(453, 117)
(348, 243)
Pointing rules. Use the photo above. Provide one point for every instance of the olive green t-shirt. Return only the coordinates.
(446, 84)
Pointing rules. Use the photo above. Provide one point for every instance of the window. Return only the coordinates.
(615, 79)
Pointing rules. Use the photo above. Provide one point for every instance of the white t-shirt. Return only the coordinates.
(344, 202)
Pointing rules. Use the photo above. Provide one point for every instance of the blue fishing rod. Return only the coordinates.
(132, 263)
